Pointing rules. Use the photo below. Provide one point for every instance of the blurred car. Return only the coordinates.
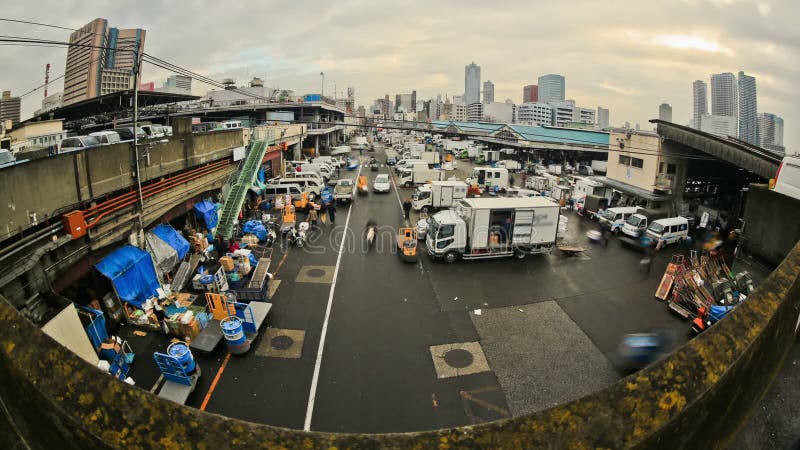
(390, 161)
(422, 229)
(381, 183)
(77, 142)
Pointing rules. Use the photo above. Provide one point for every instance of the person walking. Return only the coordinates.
(313, 216)
(406, 208)
(332, 212)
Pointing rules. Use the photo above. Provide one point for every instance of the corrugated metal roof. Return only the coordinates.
(560, 135)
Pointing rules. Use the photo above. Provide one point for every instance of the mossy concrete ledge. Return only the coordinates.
(697, 397)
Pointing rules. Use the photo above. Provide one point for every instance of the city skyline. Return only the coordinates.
(660, 63)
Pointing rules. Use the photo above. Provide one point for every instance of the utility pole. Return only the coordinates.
(322, 88)
(137, 65)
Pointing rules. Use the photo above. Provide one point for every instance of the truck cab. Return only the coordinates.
(635, 225)
(446, 236)
(615, 218)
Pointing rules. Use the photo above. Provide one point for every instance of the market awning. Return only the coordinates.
(633, 190)
(132, 273)
(174, 239)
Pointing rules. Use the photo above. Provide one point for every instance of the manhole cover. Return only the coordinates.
(315, 273)
(283, 342)
(458, 358)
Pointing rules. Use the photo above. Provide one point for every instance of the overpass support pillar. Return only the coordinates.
(316, 145)
(327, 141)
(297, 151)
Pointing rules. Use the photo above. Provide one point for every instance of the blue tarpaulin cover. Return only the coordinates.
(132, 273)
(255, 227)
(208, 212)
(168, 234)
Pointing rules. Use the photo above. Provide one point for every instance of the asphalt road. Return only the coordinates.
(426, 345)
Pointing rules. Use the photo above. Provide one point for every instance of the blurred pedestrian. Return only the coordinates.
(406, 208)
(313, 216)
(332, 212)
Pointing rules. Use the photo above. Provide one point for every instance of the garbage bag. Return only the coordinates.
(255, 227)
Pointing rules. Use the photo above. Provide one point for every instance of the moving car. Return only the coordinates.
(343, 191)
(106, 137)
(390, 161)
(381, 183)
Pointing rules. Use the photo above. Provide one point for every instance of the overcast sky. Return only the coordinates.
(613, 54)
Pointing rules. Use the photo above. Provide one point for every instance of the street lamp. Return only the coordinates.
(322, 88)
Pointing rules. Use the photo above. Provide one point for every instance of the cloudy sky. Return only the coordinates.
(623, 55)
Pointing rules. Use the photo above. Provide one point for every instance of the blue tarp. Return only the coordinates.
(208, 212)
(168, 234)
(255, 227)
(132, 273)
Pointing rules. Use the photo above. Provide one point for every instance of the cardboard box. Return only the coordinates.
(227, 263)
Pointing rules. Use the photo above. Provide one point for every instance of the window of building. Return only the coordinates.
(637, 162)
(624, 160)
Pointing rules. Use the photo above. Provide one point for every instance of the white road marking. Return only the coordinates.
(399, 202)
(315, 379)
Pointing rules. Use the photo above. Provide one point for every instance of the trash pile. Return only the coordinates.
(703, 288)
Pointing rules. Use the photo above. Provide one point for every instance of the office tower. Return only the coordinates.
(530, 93)
(748, 109)
(552, 88)
(603, 117)
(724, 101)
(665, 112)
(770, 132)
(488, 92)
(10, 108)
(103, 62)
(699, 102)
(472, 83)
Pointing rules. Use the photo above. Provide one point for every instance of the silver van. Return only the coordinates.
(272, 191)
(106, 137)
(310, 185)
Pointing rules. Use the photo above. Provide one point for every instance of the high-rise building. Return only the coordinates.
(748, 109)
(533, 113)
(722, 126)
(9, 108)
(665, 112)
(563, 112)
(552, 88)
(475, 112)
(603, 117)
(530, 93)
(488, 92)
(699, 102)
(724, 99)
(177, 84)
(472, 83)
(770, 132)
(49, 103)
(103, 61)
(459, 111)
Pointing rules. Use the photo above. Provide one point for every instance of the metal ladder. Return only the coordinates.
(235, 199)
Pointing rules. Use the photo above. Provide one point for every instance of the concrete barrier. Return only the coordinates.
(43, 188)
(695, 398)
(772, 223)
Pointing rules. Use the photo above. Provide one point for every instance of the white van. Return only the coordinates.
(674, 229)
(616, 217)
(271, 191)
(305, 174)
(230, 124)
(310, 185)
(787, 180)
(106, 137)
(322, 169)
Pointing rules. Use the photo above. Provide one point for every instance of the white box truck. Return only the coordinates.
(480, 228)
(489, 177)
(431, 157)
(599, 166)
(438, 195)
(419, 174)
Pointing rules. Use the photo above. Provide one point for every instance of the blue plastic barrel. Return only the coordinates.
(235, 339)
(180, 351)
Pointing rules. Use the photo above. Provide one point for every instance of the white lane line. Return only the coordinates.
(399, 202)
(315, 379)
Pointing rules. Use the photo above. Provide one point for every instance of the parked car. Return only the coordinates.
(77, 142)
(381, 183)
(126, 133)
(106, 137)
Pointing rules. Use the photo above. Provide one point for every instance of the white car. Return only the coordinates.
(381, 183)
